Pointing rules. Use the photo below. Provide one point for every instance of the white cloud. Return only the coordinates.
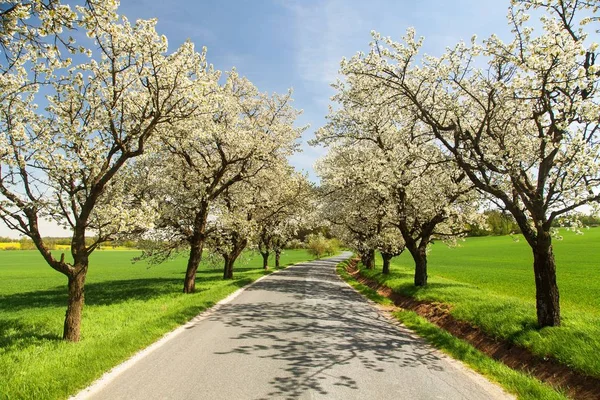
(305, 161)
(323, 34)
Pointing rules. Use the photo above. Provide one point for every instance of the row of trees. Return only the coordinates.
(114, 137)
(418, 142)
(497, 223)
(134, 141)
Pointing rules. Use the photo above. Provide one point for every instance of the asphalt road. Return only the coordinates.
(301, 333)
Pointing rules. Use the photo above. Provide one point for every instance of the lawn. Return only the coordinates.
(489, 282)
(128, 306)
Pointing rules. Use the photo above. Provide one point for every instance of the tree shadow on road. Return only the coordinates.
(320, 324)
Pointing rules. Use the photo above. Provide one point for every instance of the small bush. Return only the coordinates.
(319, 245)
(295, 244)
(334, 246)
(26, 244)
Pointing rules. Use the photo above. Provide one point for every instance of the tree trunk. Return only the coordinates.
(419, 255)
(189, 285)
(277, 258)
(386, 262)
(228, 266)
(546, 289)
(72, 327)
(265, 257)
(196, 245)
(368, 259)
(421, 269)
(238, 247)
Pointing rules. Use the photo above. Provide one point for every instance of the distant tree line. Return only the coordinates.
(498, 223)
(52, 243)
(582, 219)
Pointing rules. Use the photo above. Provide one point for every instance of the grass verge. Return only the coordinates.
(128, 307)
(488, 282)
(518, 383)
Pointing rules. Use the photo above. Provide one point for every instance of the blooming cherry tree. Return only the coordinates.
(524, 129)
(391, 156)
(67, 163)
(232, 225)
(262, 209)
(358, 213)
(285, 206)
(244, 133)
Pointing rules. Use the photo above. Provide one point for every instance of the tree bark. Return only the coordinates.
(547, 299)
(196, 245)
(386, 262)
(277, 258)
(546, 290)
(229, 258)
(189, 284)
(419, 255)
(72, 326)
(368, 259)
(228, 266)
(265, 257)
(421, 269)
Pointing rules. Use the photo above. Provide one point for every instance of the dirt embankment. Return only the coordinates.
(548, 370)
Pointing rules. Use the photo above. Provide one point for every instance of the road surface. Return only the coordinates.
(301, 333)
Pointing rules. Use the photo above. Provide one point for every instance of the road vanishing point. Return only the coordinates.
(301, 333)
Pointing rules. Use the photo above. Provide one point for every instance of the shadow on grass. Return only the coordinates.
(109, 292)
(377, 274)
(14, 333)
(469, 304)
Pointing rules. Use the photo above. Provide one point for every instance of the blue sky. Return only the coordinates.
(281, 44)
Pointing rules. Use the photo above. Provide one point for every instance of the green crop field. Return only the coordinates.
(489, 282)
(128, 306)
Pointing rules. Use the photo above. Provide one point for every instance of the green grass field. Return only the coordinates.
(489, 282)
(128, 306)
